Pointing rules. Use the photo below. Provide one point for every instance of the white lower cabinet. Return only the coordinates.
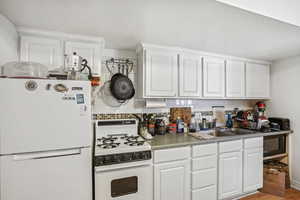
(172, 174)
(230, 178)
(204, 171)
(207, 193)
(230, 174)
(224, 170)
(253, 165)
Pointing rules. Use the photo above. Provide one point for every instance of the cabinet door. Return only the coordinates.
(89, 51)
(190, 75)
(213, 77)
(172, 181)
(253, 169)
(257, 80)
(230, 174)
(161, 73)
(46, 51)
(235, 79)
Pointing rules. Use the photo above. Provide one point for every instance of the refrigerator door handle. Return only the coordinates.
(46, 154)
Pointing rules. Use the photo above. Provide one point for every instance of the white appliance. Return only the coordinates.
(122, 163)
(45, 140)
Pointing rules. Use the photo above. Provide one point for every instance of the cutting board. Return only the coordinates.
(185, 113)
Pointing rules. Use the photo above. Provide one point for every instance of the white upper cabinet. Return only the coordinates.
(161, 70)
(235, 79)
(92, 52)
(190, 75)
(257, 80)
(213, 77)
(49, 48)
(42, 50)
(171, 72)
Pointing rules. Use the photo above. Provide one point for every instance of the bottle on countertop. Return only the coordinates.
(193, 124)
(186, 128)
(204, 124)
(151, 125)
(229, 122)
(180, 125)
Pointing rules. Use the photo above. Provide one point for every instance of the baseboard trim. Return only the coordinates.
(295, 184)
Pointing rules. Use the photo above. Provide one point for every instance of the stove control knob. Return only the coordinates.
(136, 156)
(107, 159)
(146, 155)
(116, 159)
(127, 157)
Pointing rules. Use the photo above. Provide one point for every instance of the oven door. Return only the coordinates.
(274, 145)
(132, 183)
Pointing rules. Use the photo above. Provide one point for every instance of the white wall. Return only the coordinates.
(8, 41)
(283, 10)
(135, 106)
(285, 82)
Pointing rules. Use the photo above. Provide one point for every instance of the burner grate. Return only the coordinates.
(109, 146)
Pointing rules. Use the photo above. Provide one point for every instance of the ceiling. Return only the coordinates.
(204, 25)
(283, 10)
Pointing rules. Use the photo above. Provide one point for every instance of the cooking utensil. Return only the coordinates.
(75, 65)
(121, 86)
(108, 98)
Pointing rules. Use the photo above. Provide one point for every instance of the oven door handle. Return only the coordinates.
(122, 166)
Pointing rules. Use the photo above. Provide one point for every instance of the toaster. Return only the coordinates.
(283, 123)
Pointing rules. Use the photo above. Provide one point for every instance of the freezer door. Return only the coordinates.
(40, 115)
(61, 175)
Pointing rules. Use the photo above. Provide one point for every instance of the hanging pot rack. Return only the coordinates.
(113, 63)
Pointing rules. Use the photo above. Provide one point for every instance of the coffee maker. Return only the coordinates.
(75, 65)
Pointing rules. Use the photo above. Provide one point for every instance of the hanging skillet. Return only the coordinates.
(121, 86)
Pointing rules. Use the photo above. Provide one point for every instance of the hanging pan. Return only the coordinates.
(121, 86)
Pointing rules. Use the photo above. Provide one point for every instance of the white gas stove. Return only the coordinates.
(122, 162)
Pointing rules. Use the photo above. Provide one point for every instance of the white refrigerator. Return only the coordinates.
(45, 140)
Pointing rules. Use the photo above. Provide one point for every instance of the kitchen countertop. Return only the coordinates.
(178, 140)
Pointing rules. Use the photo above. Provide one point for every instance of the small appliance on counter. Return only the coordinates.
(75, 65)
(254, 119)
(282, 123)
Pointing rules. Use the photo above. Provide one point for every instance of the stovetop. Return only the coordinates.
(116, 144)
(118, 137)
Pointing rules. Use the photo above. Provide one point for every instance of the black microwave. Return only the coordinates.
(275, 145)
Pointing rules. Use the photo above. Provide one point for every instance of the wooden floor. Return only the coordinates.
(290, 194)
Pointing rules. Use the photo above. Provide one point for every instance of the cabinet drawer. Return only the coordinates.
(230, 146)
(252, 143)
(172, 154)
(206, 162)
(204, 150)
(204, 178)
(208, 193)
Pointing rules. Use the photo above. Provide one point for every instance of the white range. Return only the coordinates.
(122, 162)
(45, 140)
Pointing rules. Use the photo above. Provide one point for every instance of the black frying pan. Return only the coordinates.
(121, 86)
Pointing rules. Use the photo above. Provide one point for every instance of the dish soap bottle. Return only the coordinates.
(180, 125)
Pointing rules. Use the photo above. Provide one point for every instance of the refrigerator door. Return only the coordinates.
(59, 175)
(42, 115)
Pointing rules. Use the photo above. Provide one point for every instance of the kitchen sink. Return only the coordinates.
(222, 132)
